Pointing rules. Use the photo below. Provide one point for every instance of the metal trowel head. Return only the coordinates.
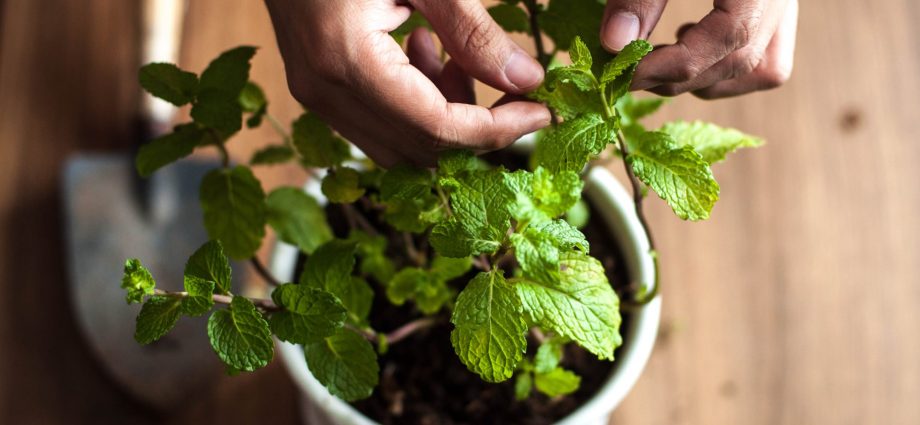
(108, 221)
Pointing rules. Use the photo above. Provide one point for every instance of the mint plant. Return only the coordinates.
(498, 251)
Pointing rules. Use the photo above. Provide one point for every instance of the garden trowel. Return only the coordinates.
(111, 215)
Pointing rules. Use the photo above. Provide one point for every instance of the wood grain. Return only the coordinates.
(798, 302)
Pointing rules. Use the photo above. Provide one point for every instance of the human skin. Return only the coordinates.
(406, 106)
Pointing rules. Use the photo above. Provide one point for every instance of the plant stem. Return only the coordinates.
(414, 254)
(401, 332)
(533, 9)
(267, 305)
(640, 213)
(278, 127)
(353, 216)
(263, 271)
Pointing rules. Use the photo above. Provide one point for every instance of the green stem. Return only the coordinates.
(267, 305)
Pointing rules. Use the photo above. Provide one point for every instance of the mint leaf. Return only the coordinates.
(240, 336)
(523, 385)
(357, 296)
(580, 55)
(709, 140)
(488, 336)
(414, 216)
(405, 283)
(309, 314)
(445, 268)
(631, 54)
(372, 252)
(229, 72)
(456, 161)
(510, 18)
(210, 264)
(330, 266)
(631, 109)
(406, 183)
(219, 111)
(137, 281)
(556, 193)
(345, 363)
(341, 186)
(557, 382)
(580, 305)
(428, 288)
(157, 317)
(252, 100)
(234, 210)
(297, 218)
(480, 202)
(199, 300)
(564, 20)
(578, 215)
(570, 145)
(168, 148)
(537, 248)
(679, 175)
(548, 356)
(567, 100)
(166, 81)
(317, 145)
(274, 154)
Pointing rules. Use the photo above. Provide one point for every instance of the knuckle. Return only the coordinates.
(668, 90)
(745, 62)
(476, 34)
(774, 76)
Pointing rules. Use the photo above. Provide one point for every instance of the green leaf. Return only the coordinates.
(341, 186)
(406, 183)
(454, 162)
(510, 18)
(309, 315)
(234, 210)
(218, 110)
(229, 72)
(445, 268)
(480, 202)
(166, 81)
(523, 385)
(679, 175)
(317, 145)
(297, 218)
(274, 154)
(580, 54)
(580, 305)
(357, 297)
(252, 98)
(709, 140)
(240, 336)
(567, 100)
(556, 193)
(557, 382)
(631, 109)
(428, 288)
(489, 328)
(564, 20)
(168, 148)
(345, 363)
(548, 356)
(199, 300)
(405, 284)
(570, 145)
(372, 252)
(538, 247)
(157, 317)
(137, 281)
(578, 215)
(330, 266)
(629, 56)
(210, 264)
(414, 216)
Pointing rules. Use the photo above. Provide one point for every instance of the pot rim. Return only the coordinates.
(616, 207)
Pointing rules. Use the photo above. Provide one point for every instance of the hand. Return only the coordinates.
(739, 47)
(342, 64)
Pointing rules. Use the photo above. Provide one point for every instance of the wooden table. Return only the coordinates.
(797, 303)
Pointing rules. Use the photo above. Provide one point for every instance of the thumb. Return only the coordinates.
(480, 46)
(628, 20)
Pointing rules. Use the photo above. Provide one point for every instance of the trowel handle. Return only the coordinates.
(160, 37)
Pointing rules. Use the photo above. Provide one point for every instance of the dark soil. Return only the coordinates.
(423, 382)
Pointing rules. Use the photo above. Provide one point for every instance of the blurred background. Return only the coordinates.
(798, 302)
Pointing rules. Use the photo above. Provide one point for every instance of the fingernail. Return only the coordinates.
(523, 71)
(620, 30)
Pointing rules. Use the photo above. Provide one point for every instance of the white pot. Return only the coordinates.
(616, 208)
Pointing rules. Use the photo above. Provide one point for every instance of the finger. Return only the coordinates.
(683, 29)
(731, 25)
(740, 62)
(480, 46)
(456, 84)
(773, 71)
(402, 94)
(628, 20)
(423, 54)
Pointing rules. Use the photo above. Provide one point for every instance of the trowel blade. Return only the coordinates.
(106, 225)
